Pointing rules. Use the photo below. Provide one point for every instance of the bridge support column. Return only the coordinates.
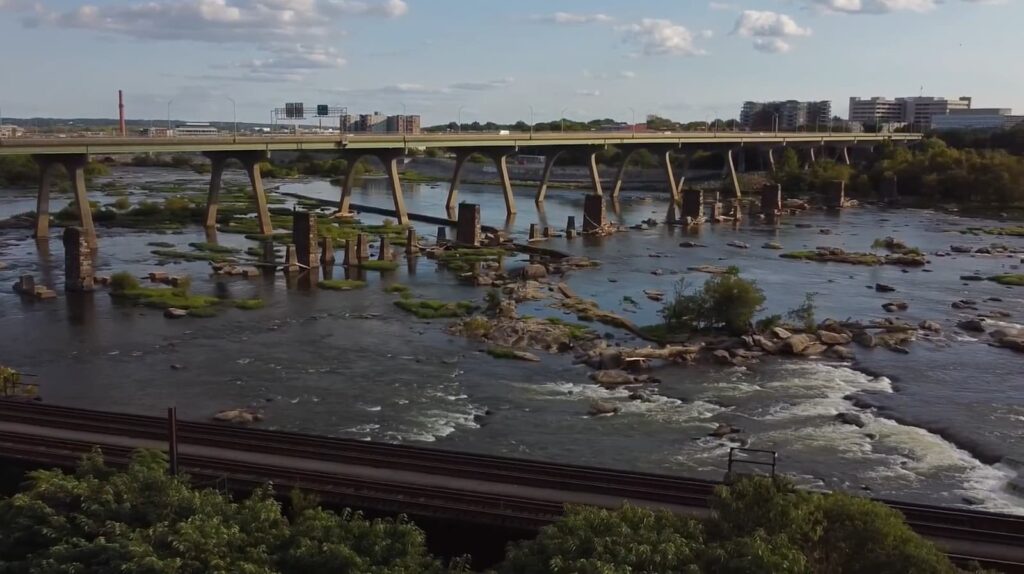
(771, 160)
(500, 161)
(621, 175)
(732, 174)
(75, 166)
(78, 270)
(741, 160)
(670, 176)
(453, 190)
(835, 197)
(391, 166)
(251, 163)
(345, 204)
(549, 165)
(304, 235)
(42, 224)
(595, 175)
(771, 202)
(217, 161)
(844, 155)
(693, 205)
(593, 213)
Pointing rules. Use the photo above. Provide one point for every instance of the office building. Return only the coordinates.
(11, 131)
(372, 123)
(790, 115)
(195, 129)
(914, 111)
(976, 119)
(403, 124)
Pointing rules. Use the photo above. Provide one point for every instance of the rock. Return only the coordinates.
(175, 313)
(534, 271)
(609, 360)
(1012, 343)
(524, 356)
(723, 357)
(636, 364)
(965, 304)
(612, 377)
(841, 353)
(238, 416)
(971, 278)
(999, 334)
(960, 248)
(865, 339)
(712, 269)
(825, 231)
(994, 299)
(654, 295)
(814, 349)
(723, 430)
(641, 396)
(781, 333)
(830, 338)
(883, 288)
(691, 244)
(971, 326)
(767, 346)
(738, 245)
(601, 408)
(772, 245)
(177, 367)
(983, 251)
(851, 419)
(796, 344)
(898, 349)
(930, 326)
(894, 306)
(657, 272)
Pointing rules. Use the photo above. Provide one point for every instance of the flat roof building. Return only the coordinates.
(977, 119)
(915, 111)
(790, 115)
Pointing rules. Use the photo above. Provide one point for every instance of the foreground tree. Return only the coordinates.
(143, 520)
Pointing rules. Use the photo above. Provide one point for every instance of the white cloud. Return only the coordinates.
(873, 6)
(769, 30)
(722, 7)
(663, 37)
(482, 86)
(571, 18)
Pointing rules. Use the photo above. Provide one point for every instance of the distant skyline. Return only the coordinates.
(597, 58)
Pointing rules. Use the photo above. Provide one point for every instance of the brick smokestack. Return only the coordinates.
(120, 110)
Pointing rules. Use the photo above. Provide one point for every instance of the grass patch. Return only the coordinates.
(397, 288)
(164, 298)
(190, 256)
(1014, 231)
(823, 256)
(501, 353)
(248, 304)
(462, 260)
(213, 248)
(893, 245)
(477, 327)
(203, 312)
(341, 284)
(379, 265)
(576, 331)
(1010, 279)
(161, 244)
(431, 309)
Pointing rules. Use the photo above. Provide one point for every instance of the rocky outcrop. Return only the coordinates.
(723, 430)
(930, 326)
(238, 416)
(175, 313)
(602, 408)
(614, 378)
(797, 344)
(830, 338)
(971, 326)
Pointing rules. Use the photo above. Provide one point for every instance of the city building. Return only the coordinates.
(916, 112)
(403, 124)
(790, 115)
(11, 131)
(161, 132)
(372, 123)
(976, 119)
(195, 129)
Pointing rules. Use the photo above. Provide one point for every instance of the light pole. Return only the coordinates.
(234, 116)
(633, 126)
(775, 123)
(169, 102)
(531, 121)
(565, 109)
(460, 118)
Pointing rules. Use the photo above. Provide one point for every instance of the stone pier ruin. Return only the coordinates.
(78, 269)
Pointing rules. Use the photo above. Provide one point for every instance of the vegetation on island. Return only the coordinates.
(724, 302)
(1009, 279)
(125, 287)
(432, 309)
(142, 519)
(341, 284)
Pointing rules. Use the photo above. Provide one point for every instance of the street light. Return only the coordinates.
(234, 116)
(531, 121)
(634, 120)
(565, 109)
(460, 118)
(775, 122)
(169, 102)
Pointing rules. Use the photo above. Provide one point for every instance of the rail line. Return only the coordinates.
(936, 522)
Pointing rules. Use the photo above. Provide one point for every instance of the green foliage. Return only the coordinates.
(893, 245)
(1017, 231)
(576, 331)
(123, 281)
(768, 323)
(824, 256)
(213, 248)
(1010, 279)
(164, 298)
(397, 288)
(724, 301)
(178, 255)
(477, 327)
(803, 314)
(248, 304)
(341, 284)
(598, 541)
(99, 520)
(122, 203)
(502, 353)
(429, 309)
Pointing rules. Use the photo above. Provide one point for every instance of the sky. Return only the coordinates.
(479, 60)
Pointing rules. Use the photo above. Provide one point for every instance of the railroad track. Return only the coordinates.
(938, 522)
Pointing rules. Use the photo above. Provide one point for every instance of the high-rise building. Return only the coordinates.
(403, 124)
(373, 123)
(790, 115)
(917, 111)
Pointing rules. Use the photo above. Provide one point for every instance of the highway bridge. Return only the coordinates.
(73, 154)
(460, 487)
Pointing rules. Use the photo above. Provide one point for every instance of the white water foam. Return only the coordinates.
(658, 407)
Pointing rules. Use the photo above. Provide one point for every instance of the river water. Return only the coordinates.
(943, 424)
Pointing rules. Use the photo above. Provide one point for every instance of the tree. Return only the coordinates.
(143, 520)
(724, 301)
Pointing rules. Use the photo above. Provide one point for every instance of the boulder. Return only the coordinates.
(601, 408)
(534, 271)
(175, 313)
(738, 245)
(609, 360)
(851, 419)
(971, 278)
(767, 346)
(983, 251)
(781, 333)
(930, 326)
(612, 377)
(238, 416)
(524, 356)
(971, 326)
(1012, 343)
(722, 357)
(796, 344)
(960, 248)
(641, 396)
(723, 430)
(894, 306)
(865, 339)
(654, 295)
(883, 288)
(965, 304)
(772, 245)
(691, 244)
(999, 334)
(830, 338)
(841, 353)
(814, 349)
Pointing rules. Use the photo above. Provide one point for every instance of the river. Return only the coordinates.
(943, 424)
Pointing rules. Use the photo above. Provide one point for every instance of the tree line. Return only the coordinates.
(144, 520)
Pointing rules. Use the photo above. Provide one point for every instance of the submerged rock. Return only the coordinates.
(601, 408)
(971, 326)
(613, 377)
(238, 416)
(724, 430)
(930, 326)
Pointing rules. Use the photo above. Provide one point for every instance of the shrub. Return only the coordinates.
(724, 302)
(122, 203)
(804, 313)
(123, 281)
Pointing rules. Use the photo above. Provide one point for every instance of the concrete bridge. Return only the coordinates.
(73, 153)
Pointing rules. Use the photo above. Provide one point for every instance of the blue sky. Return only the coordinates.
(688, 60)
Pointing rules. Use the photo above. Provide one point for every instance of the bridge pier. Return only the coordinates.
(731, 165)
(74, 164)
(771, 159)
(670, 176)
(461, 157)
(549, 165)
(250, 161)
(390, 160)
(844, 155)
(500, 161)
(621, 175)
(595, 175)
